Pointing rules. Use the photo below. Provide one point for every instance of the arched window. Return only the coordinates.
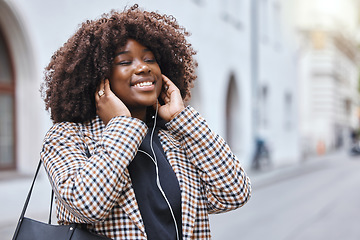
(233, 119)
(7, 106)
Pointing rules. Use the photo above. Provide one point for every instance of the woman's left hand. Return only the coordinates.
(173, 102)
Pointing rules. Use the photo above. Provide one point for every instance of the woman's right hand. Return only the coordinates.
(109, 105)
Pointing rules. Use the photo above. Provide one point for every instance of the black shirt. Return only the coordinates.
(158, 221)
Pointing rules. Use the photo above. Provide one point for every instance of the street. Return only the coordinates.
(319, 200)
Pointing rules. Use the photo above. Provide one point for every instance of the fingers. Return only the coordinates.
(167, 82)
(101, 85)
(106, 86)
(168, 86)
(165, 96)
(102, 89)
(170, 90)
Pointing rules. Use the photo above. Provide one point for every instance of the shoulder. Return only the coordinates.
(62, 128)
(66, 129)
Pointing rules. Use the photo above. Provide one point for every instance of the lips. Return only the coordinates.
(144, 84)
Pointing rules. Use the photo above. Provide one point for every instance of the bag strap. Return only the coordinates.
(30, 191)
(51, 205)
(27, 201)
(29, 195)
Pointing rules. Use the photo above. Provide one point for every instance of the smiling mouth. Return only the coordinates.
(144, 84)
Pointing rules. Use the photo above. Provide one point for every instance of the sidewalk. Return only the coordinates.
(14, 190)
(262, 178)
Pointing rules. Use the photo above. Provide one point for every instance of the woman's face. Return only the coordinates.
(136, 77)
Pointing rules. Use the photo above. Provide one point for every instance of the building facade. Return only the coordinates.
(276, 83)
(328, 74)
(240, 90)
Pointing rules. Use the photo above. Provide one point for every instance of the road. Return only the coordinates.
(318, 199)
(313, 201)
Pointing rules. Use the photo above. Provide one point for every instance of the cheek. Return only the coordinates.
(118, 77)
(119, 88)
(118, 92)
(159, 88)
(158, 75)
(159, 83)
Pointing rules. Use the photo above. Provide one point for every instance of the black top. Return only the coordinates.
(155, 212)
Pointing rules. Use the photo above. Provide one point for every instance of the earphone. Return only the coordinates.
(154, 159)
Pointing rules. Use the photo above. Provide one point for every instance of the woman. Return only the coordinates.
(125, 156)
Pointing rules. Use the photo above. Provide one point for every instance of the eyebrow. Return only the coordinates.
(125, 52)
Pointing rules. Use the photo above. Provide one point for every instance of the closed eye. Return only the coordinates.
(124, 63)
(150, 60)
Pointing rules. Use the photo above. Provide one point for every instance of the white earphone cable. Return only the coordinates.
(157, 172)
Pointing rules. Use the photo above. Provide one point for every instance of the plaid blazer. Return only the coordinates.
(87, 167)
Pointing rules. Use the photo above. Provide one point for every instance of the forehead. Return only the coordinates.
(132, 45)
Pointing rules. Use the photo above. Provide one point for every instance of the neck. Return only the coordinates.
(139, 114)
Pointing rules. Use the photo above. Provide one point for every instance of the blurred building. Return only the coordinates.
(276, 92)
(247, 85)
(328, 73)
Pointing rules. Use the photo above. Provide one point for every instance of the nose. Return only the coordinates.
(142, 67)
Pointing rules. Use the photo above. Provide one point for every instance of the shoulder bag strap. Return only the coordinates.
(27, 199)
(51, 205)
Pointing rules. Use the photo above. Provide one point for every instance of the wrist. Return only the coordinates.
(176, 113)
(184, 123)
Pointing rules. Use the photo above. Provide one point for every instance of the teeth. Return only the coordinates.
(143, 84)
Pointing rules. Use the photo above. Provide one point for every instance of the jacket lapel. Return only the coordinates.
(184, 170)
(186, 174)
(128, 203)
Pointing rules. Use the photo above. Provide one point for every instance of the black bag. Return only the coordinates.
(29, 229)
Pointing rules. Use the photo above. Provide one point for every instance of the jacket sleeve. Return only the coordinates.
(226, 184)
(89, 187)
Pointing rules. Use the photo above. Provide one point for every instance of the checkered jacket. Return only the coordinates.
(87, 166)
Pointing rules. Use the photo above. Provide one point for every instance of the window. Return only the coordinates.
(288, 104)
(7, 112)
(264, 107)
(233, 12)
(277, 28)
(199, 2)
(263, 20)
